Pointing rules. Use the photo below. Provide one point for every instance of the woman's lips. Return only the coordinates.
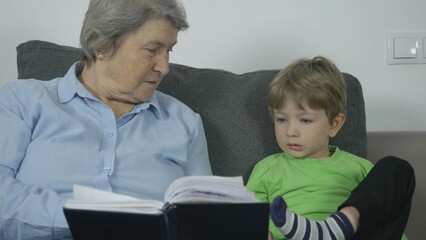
(153, 84)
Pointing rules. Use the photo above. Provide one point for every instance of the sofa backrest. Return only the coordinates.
(233, 107)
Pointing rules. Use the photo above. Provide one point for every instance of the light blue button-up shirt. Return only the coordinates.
(54, 134)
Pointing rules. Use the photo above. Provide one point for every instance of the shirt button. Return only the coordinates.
(110, 134)
(107, 169)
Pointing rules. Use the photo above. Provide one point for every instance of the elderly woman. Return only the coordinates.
(103, 124)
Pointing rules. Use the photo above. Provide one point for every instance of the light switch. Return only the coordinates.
(424, 47)
(405, 47)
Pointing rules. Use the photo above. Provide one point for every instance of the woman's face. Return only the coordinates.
(136, 69)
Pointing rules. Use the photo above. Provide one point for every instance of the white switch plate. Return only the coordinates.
(406, 47)
(424, 47)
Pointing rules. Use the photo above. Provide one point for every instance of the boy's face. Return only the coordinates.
(304, 133)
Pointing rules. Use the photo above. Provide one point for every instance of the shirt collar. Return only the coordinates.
(152, 105)
(334, 154)
(69, 86)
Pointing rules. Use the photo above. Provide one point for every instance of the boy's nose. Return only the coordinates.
(292, 131)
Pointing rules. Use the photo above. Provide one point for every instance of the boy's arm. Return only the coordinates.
(270, 237)
(261, 186)
(256, 183)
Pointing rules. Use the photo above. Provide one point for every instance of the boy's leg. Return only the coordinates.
(383, 200)
(296, 227)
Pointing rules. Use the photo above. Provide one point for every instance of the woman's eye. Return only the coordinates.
(154, 51)
(151, 51)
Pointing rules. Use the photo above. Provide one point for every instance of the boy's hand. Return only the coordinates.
(270, 237)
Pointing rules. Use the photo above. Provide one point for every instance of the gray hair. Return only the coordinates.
(107, 22)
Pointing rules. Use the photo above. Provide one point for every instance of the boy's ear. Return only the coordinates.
(337, 124)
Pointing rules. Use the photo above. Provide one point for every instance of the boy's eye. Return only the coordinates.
(280, 120)
(305, 121)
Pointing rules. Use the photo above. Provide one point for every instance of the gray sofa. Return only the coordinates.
(238, 128)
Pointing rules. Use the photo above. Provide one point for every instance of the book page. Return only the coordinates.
(209, 189)
(93, 199)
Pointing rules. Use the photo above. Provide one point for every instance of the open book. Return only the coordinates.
(193, 206)
(190, 189)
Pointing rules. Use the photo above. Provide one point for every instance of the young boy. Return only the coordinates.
(307, 101)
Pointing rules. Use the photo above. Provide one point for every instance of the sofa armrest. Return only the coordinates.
(410, 146)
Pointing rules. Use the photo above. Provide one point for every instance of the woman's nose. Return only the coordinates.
(161, 64)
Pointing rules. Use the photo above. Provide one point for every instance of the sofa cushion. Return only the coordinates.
(233, 107)
(45, 60)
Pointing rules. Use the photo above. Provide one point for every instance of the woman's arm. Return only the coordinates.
(25, 210)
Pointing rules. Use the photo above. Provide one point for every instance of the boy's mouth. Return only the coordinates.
(295, 147)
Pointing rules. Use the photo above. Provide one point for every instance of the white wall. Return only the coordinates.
(248, 35)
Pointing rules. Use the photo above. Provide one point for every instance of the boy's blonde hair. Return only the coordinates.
(316, 81)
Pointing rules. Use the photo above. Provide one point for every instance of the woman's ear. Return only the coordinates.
(336, 124)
